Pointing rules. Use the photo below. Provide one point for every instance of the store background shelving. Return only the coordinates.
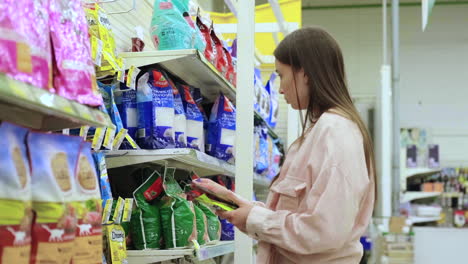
(33, 107)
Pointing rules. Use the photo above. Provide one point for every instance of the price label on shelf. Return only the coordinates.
(131, 77)
(84, 132)
(131, 141)
(109, 138)
(98, 138)
(119, 138)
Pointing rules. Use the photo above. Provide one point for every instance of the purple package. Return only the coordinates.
(25, 42)
(227, 230)
(74, 76)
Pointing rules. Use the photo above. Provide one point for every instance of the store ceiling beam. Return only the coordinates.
(376, 5)
(275, 6)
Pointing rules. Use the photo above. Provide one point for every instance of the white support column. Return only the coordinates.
(245, 118)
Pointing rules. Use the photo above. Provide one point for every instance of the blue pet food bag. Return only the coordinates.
(274, 106)
(258, 90)
(127, 105)
(180, 121)
(100, 162)
(262, 156)
(107, 92)
(222, 130)
(195, 132)
(155, 104)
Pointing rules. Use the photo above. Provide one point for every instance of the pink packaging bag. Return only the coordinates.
(74, 75)
(25, 52)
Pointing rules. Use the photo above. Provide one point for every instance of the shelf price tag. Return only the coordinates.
(118, 212)
(131, 141)
(107, 211)
(109, 138)
(84, 132)
(127, 211)
(131, 77)
(98, 138)
(119, 138)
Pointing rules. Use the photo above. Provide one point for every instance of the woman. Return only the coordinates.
(322, 201)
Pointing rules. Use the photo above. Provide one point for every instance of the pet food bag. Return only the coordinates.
(15, 196)
(222, 130)
(262, 157)
(195, 131)
(274, 105)
(127, 106)
(180, 121)
(227, 230)
(74, 76)
(177, 217)
(202, 225)
(265, 104)
(258, 88)
(155, 103)
(25, 42)
(209, 52)
(221, 61)
(104, 184)
(107, 92)
(275, 161)
(146, 218)
(213, 223)
(53, 159)
(88, 241)
(170, 30)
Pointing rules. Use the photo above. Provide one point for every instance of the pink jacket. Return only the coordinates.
(322, 201)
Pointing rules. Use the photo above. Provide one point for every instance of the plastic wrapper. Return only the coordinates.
(25, 42)
(170, 30)
(15, 196)
(274, 103)
(155, 103)
(146, 219)
(104, 184)
(262, 156)
(195, 131)
(202, 226)
(54, 159)
(209, 52)
(227, 230)
(88, 209)
(222, 130)
(74, 76)
(230, 72)
(107, 92)
(221, 61)
(178, 219)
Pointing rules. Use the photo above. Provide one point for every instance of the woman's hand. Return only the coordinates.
(239, 216)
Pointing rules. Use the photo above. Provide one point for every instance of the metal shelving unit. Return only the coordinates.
(411, 196)
(204, 253)
(33, 107)
(423, 219)
(419, 172)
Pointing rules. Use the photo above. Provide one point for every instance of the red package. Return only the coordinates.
(230, 74)
(209, 53)
(74, 76)
(221, 61)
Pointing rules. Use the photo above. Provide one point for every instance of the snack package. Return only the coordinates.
(100, 162)
(209, 52)
(155, 103)
(170, 30)
(222, 130)
(74, 76)
(146, 218)
(180, 121)
(127, 105)
(195, 132)
(107, 92)
(262, 157)
(54, 159)
(178, 219)
(15, 196)
(213, 223)
(88, 241)
(274, 105)
(202, 225)
(25, 42)
(221, 62)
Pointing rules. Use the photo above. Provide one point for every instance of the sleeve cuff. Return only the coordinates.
(256, 221)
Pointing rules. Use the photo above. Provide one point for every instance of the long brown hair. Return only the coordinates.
(317, 53)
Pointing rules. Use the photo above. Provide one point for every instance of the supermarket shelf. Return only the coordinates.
(419, 172)
(261, 181)
(37, 108)
(189, 65)
(271, 132)
(192, 67)
(204, 253)
(452, 194)
(420, 219)
(411, 196)
(187, 159)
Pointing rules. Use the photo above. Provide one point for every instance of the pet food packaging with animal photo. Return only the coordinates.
(74, 75)
(155, 102)
(53, 159)
(15, 196)
(178, 219)
(25, 42)
(222, 130)
(195, 131)
(88, 241)
(146, 218)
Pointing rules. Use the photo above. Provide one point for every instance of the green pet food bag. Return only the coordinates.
(213, 223)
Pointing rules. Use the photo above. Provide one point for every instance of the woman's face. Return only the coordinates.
(293, 86)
